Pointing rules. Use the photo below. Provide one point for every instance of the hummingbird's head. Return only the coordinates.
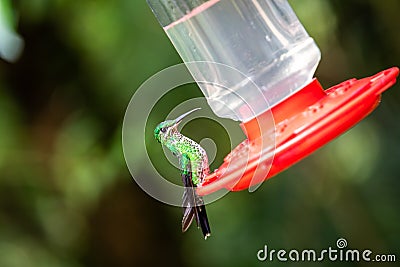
(165, 128)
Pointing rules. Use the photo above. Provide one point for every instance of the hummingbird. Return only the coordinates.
(193, 162)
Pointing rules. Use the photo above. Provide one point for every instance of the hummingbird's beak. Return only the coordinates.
(180, 118)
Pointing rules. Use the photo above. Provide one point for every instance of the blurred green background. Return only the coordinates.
(67, 198)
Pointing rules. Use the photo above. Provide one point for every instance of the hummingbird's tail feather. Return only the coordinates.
(193, 205)
(202, 220)
(197, 210)
(188, 215)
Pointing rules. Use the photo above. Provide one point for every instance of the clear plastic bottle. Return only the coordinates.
(263, 39)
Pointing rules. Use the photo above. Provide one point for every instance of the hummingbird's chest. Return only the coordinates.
(186, 147)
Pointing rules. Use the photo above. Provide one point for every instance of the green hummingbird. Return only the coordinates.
(193, 161)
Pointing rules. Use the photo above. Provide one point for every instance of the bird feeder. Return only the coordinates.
(265, 42)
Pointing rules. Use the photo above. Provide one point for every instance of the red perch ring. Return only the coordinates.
(304, 122)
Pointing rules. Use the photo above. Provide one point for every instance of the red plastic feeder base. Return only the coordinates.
(303, 123)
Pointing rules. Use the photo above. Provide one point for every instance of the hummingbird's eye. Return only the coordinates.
(163, 130)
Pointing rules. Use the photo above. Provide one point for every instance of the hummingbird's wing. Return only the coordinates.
(193, 205)
(188, 198)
